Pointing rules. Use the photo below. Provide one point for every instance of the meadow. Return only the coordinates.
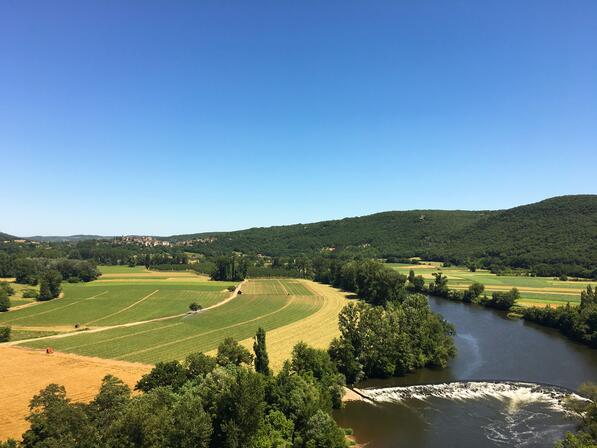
(534, 291)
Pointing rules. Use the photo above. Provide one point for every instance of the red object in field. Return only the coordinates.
(49, 350)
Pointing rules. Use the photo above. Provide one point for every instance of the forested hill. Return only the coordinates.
(403, 233)
(7, 237)
(560, 230)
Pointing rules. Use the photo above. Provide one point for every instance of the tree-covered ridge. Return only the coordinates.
(552, 237)
(557, 231)
(387, 233)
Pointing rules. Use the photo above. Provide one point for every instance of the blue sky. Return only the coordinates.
(169, 117)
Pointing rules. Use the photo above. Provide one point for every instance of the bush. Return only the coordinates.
(4, 334)
(30, 293)
(4, 301)
(73, 280)
(5, 286)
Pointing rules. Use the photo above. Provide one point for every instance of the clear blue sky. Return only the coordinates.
(168, 117)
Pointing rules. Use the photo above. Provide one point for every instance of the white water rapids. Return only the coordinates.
(522, 409)
(513, 394)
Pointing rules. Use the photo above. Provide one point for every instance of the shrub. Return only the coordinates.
(4, 301)
(30, 293)
(4, 334)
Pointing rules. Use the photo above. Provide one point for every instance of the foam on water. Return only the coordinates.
(512, 394)
(523, 409)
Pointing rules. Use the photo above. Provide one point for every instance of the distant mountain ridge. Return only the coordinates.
(63, 239)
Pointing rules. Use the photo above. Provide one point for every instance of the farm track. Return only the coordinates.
(125, 325)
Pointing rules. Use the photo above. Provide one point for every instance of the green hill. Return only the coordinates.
(557, 231)
(7, 237)
(560, 230)
(389, 233)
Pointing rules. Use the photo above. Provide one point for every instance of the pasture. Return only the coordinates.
(534, 291)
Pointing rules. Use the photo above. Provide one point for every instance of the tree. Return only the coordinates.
(588, 297)
(5, 334)
(322, 432)
(198, 365)
(503, 300)
(473, 292)
(261, 357)
(231, 352)
(26, 271)
(275, 431)
(109, 404)
(57, 423)
(192, 426)
(164, 374)
(194, 307)
(419, 283)
(4, 301)
(49, 287)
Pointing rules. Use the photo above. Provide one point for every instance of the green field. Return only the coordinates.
(175, 338)
(101, 304)
(533, 290)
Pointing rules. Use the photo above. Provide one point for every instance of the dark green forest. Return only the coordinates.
(552, 237)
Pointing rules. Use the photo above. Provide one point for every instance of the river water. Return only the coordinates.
(504, 389)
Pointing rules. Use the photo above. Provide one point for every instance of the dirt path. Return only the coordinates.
(128, 324)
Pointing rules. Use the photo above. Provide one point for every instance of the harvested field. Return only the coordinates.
(25, 372)
(317, 330)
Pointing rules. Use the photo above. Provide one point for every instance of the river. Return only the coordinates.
(503, 389)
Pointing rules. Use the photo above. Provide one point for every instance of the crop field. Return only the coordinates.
(100, 304)
(317, 329)
(534, 291)
(267, 303)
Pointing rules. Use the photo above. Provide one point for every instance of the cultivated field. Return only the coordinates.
(534, 291)
(99, 304)
(317, 330)
(25, 372)
(110, 308)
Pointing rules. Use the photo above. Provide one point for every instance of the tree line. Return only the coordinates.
(576, 322)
